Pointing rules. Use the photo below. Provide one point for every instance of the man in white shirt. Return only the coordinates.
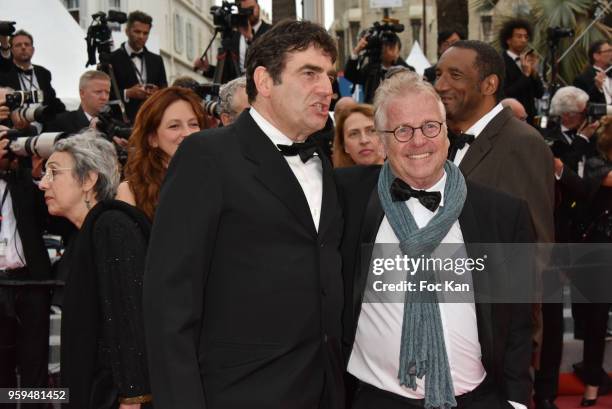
(252, 294)
(481, 355)
(595, 80)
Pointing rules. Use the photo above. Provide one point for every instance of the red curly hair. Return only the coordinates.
(145, 168)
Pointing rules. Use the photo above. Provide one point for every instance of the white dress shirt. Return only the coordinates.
(11, 254)
(476, 129)
(309, 174)
(243, 46)
(376, 350)
(607, 85)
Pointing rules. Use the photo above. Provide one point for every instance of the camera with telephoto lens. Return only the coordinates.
(7, 28)
(229, 16)
(557, 33)
(596, 111)
(110, 127)
(99, 36)
(27, 142)
(379, 34)
(209, 92)
(18, 99)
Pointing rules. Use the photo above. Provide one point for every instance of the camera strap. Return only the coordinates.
(4, 195)
(25, 80)
(139, 72)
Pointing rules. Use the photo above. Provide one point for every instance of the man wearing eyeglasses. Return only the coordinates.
(465, 354)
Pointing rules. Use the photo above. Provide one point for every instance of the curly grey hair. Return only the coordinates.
(227, 92)
(568, 99)
(92, 153)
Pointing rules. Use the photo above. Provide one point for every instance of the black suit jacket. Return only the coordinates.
(430, 74)
(524, 89)
(125, 74)
(70, 122)
(10, 79)
(32, 219)
(359, 75)
(586, 82)
(252, 292)
(488, 216)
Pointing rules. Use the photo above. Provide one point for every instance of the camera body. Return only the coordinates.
(7, 28)
(596, 111)
(377, 34)
(99, 35)
(229, 16)
(17, 99)
(554, 34)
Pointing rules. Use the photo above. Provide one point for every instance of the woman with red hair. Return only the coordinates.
(163, 121)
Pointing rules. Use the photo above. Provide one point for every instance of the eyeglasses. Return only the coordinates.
(50, 173)
(404, 133)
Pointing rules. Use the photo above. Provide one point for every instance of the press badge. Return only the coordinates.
(3, 247)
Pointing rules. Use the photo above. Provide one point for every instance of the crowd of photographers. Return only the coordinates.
(567, 185)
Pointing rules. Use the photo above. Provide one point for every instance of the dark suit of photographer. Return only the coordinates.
(138, 71)
(594, 80)
(390, 57)
(24, 310)
(239, 44)
(23, 75)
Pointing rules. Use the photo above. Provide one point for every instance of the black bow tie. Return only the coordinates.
(400, 192)
(306, 150)
(609, 73)
(139, 55)
(571, 133)
(29, 71)
(457, 142)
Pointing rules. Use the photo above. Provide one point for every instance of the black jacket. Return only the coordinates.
(102, 352)
(243, 295)
(10, 79)
(586, 82)
(524, 89)
(488, 216)
(359, 75)
(71, 122)
(126, 76)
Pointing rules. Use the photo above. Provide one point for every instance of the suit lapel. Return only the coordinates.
(472, 237)
(273, 171)
(372, 218)
(484, 142)
(131, 73)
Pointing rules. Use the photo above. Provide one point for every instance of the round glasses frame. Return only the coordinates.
(404, 133)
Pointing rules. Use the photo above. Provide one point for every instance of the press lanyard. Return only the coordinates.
(139, 72)
(4, 195)
(29, 78)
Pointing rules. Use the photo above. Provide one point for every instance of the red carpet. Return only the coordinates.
(570, 394)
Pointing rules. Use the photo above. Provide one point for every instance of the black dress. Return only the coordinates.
(103, 355)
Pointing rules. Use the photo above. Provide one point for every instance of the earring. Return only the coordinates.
(87, 202)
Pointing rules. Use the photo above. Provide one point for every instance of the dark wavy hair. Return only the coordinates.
(271, 49)
(507, 30)
(145, 168)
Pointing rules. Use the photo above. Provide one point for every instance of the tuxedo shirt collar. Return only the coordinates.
(129, 50)
(276, 136)
(482, 123)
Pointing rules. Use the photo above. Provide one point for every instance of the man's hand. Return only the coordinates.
(37, 166)
(5, 112)
(588, 129)
(120, 141)
(3, 142)
(558, 167)
(201, 64)
(600, 78)
(529, 64)
(246, 32)
(361, 45)
(129, 406)
(138, 91)
(19, 122)
(151, 89)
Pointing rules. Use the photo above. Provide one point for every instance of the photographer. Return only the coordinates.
(25, 76)
(595, 80)
(389, 57)
(24, 309)
(94, 90)
(241, 40)
(445, 39)
(522, 80)
(139, 72)
(233, 100)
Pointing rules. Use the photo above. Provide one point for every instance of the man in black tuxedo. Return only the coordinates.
(24, 310)
(94, 91)
(25, 76)
(595, 80)
(243, 286)
(138, 71)
(240, 42)
(390, 57)
(488, 346)
(522, 80)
